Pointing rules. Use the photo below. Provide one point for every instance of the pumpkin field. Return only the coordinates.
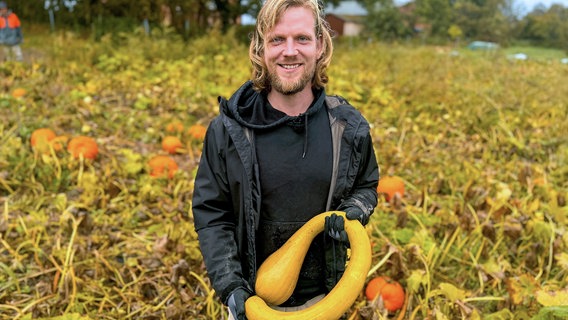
(101, 228)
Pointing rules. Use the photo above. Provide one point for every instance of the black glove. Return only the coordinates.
(236, 303)
(335, 243)
(354, 213)
(335, 227)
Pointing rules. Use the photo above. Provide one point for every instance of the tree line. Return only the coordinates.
(430, 20)
(487, 20)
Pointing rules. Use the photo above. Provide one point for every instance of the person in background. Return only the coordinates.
(281, 152)
(10, 33)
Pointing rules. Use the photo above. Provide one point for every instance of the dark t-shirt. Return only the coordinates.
(295, 161)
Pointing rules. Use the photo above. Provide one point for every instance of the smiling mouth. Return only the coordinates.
(290, 66)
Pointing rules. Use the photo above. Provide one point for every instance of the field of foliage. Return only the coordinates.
(480, 141)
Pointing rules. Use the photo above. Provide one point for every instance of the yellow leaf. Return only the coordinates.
(534, 205)
(552, 298)
(475, 315)
(521, 287)
(416, 279)
(133, 162)
(503, 192)
(60, 201)
(562, 260)
(70, 316)
(452, 292)
(440, 316)
(542, 231)
(495, 269)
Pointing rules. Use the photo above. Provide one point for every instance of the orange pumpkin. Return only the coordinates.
(42, 136)
(374, 287)
(197, 132)
(391, 185)
(174, 126)
(19, 92)
(163, 165)
(171, 144)
(84, 145)
(391, 292)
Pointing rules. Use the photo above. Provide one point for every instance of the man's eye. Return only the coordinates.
(276, 40)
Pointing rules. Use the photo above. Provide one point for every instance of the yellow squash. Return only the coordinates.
(278, 275)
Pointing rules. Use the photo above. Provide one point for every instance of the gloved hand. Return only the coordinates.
(335, 227)
(335, 243)
(354, 213)
(236, 303)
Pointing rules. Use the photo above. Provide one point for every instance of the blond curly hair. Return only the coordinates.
(267, 18)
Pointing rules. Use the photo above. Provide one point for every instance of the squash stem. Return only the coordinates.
(376, 267)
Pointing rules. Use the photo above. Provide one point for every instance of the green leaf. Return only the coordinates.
(552, 313)
(70, 316)
(404, 235)
(542, 231)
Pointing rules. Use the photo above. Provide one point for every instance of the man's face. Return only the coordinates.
(291, 50)
(3, 11)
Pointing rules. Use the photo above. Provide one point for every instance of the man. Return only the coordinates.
(10, 33)
(280, 152)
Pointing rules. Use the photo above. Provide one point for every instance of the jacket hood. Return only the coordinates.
(251, 109)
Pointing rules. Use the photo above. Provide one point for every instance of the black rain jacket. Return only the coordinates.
(226, 199)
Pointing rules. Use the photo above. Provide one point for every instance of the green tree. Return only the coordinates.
(547, 28)
(438, 13)
(229, 11)
(384, 20)
(103, 16)
(484, 19)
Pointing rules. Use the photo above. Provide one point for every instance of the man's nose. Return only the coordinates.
(290, 49)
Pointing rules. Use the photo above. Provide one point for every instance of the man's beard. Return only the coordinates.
(290, 87)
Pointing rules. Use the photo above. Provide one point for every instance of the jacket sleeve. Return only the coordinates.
(214, 218)
(364, 191)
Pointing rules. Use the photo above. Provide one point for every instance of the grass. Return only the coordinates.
(479, 141)
(539, 54)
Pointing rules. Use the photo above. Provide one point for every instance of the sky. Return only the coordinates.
(530, 4)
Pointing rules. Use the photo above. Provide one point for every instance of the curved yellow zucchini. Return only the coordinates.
(278, 275)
